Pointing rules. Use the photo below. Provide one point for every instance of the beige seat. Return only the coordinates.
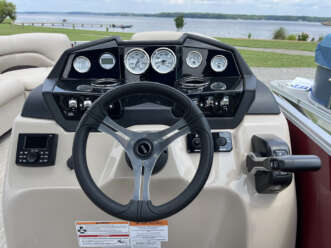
(29, 58)
(25, 62)
(28, 78)
(11, 102)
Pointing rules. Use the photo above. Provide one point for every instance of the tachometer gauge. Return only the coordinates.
(163, 60)
(82, 64)
(219, 63)
(107, 61)
(194, 59)
(136, 61)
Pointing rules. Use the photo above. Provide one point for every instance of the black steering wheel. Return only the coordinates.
(143, 150)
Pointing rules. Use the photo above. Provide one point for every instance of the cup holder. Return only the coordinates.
(192, 84)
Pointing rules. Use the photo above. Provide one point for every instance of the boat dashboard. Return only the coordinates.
(213, 75)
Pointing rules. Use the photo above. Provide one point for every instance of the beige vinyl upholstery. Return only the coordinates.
(37, 52)
(162, 35)
(28, 78)
(157, 35)
(11, 102)
(32, 50)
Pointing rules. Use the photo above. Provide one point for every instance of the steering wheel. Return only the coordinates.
(143, 150)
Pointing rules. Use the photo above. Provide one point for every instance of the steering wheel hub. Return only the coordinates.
(143, 148)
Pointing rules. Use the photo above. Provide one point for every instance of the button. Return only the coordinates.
(87, 104)
(33, 157)
(220, 141)
(72, 103)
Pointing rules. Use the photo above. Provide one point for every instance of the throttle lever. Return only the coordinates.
(289, 163)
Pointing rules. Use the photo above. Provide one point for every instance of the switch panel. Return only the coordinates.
(36, 150)
(222, 142)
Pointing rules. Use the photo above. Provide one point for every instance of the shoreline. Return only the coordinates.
(194, 15)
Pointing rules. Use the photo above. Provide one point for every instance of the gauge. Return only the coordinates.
(163, 60)
(136, 61)
(194, 59)
(219, 63)
(82, 64)
(107, 61)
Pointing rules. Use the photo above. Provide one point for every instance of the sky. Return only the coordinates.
(272, 7)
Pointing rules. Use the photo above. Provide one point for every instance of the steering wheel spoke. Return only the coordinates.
(164, 138)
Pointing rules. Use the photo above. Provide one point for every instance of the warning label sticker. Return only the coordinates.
(152, 231)
(122, 234)
(103, 234)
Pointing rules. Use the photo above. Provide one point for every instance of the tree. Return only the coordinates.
(279, 34)
(7, 9)
(179, 22)
(303, 36)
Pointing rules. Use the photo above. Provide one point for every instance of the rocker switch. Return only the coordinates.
(73, 104)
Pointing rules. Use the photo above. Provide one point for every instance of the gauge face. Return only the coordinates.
(219, 63)
(163, 60)
(82, 64)
(194, 59)
(136, 61)
(107, 61)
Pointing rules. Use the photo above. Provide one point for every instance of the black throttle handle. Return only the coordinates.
(293, 163)
(297, 163)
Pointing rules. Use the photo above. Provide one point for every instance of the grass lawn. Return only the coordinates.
(73, 34)
(274, 44)
(268, 59)
(253, 58)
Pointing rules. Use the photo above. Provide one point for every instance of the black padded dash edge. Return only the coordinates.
(264, 102)
(35, 106)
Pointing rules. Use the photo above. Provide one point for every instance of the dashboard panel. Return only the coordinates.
(212, 74)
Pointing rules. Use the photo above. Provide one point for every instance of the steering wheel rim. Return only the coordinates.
(142, 209)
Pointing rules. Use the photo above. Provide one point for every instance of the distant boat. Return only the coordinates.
(326, 23)
(123, 26)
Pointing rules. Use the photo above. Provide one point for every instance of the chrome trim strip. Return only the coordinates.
(313, 131)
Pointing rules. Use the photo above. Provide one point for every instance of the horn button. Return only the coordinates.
(143, 148)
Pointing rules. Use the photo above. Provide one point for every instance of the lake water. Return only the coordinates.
(212, 27)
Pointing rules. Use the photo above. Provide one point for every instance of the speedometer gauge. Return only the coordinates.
(194, 59)
(163, 60)
(219, 63)
(136, 61)
(82, 64)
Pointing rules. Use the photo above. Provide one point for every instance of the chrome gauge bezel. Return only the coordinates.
(128, 54)
(212, 63)
(106, 67)
(79, 70)
(153, 60)
(188, 61)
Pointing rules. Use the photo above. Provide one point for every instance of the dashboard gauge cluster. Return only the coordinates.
(138, 60)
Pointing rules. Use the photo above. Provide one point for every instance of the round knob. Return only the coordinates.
(220, 141)
(33, 157)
